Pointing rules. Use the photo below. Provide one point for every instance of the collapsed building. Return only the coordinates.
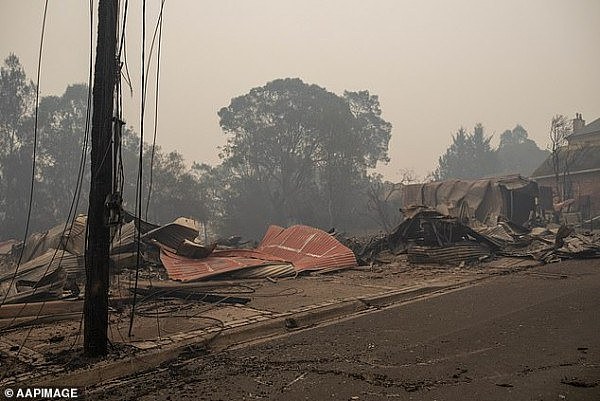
(453, 222)
(51, 264)
(486, 201)
(461, 222)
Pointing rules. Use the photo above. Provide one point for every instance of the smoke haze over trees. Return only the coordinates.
(61, 126)
(471, 155)
(296, 153)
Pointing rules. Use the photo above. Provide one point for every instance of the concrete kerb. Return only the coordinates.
(168, 349)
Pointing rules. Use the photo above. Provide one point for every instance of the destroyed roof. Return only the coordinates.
(174, 234)
(306, 248)
(186, 269)
(61, 236)
(302, 247)
(40, 277)
(581, 159)
(143, 225)
(482, 199)
(429, 226)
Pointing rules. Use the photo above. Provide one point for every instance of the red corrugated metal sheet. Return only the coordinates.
(186, 269)
(272, 232)
(306, 248)
(246, 253)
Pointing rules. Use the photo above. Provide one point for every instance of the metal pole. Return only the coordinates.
(97, 248)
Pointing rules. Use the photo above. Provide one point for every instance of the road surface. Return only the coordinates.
(528, 336)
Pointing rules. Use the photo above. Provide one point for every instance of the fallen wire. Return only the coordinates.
(286, 292)
(157, 317)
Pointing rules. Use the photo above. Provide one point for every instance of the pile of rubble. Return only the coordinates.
(428, 236)
(51, 265)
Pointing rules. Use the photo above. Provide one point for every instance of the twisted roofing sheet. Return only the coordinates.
(306, 248)
(186, 269)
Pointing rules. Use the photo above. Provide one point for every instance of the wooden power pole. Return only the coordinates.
(95, 307)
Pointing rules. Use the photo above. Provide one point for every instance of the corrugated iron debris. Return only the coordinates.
(484, 200)
(52, 265)
(302, 247)
(428, 236)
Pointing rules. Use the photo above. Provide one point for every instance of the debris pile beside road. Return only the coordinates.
(282, 252)
(554, 244)
(52, 263)
(427, 236)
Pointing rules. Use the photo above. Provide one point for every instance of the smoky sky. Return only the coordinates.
(436, 65)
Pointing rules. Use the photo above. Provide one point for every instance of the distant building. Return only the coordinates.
(579, 166)
(585, 134)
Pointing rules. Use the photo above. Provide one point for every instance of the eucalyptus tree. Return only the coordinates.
(298, 153)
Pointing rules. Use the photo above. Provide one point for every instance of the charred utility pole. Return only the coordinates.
(95, 307)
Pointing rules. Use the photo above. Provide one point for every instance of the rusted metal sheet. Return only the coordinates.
(454, 255)
(187, 269)
(305, 248)
(272, 232)
(247, 253)
(271, 271)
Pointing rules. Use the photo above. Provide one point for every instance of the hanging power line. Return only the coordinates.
(78, 184)
(156, 96)
(123, 49)
(138, 192)
(71, 216)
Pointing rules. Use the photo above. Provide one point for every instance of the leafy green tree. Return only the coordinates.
(296, 153)
(61, 127)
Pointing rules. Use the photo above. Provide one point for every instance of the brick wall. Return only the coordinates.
(584, 186)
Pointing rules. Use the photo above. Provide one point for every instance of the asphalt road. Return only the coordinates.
(530, 336)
